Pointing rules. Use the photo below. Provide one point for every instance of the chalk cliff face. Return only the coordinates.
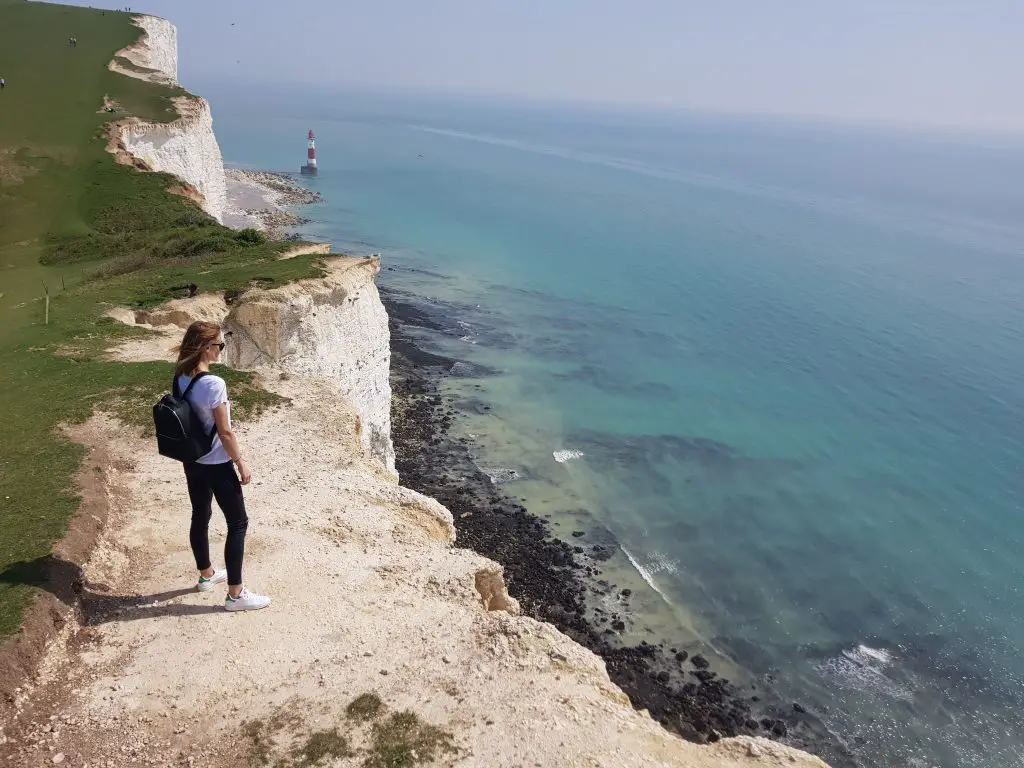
(156, 50)
(185, 147)
(335, 328)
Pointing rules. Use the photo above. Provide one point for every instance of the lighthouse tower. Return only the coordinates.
(309, 169)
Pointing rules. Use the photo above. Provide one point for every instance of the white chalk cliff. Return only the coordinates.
(332, 328)
(156, 50)
(186, 147)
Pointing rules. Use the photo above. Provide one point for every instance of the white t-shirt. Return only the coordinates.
(209, 392)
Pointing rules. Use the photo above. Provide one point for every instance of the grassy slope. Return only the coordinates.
(96, 234)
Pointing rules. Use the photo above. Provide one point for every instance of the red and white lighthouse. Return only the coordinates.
(309, 169)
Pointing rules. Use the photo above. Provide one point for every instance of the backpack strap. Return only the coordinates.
(192, 383)
(184, 395)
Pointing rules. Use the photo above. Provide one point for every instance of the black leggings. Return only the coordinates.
(206, 481)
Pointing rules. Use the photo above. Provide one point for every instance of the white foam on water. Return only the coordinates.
(863, 668)
(659, 561)
(872, 655)
(468, 337)
(499, 475)
(567, 455)
(645, 574)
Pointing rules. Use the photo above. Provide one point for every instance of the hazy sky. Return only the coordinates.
(956, 63)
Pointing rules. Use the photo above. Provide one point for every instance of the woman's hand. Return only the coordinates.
(243, 472)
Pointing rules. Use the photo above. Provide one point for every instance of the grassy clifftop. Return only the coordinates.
(91, 234)
(50, 116)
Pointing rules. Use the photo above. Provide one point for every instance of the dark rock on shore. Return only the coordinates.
(273, 222)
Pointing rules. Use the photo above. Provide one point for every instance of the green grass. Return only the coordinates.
(403, 740)
(49, 129)
(399, 740)
(95, 234)
(364, 707)
(321, 746)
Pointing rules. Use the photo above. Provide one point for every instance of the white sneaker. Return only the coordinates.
(206, 584)
(246, 601)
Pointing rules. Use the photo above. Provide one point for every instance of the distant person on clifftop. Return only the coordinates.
(212, 476)
(3, 83)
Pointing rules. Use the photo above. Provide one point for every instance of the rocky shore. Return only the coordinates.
(274, 223)
(259, 198)
(285, 190)
(552, 579)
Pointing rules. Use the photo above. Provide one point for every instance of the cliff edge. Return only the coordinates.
(334, 328)
(186, 147)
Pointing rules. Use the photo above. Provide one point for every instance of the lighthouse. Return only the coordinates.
(309, 169)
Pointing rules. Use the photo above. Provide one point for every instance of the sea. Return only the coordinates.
(779, 363)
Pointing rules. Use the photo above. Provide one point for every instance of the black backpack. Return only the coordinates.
(179, 432)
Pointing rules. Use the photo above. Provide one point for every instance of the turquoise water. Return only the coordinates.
(790, 357)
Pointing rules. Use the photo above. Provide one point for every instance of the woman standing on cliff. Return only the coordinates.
(213, 476)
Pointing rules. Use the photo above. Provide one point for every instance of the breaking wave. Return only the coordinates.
(645, 574)
(500, 475)
(864, 668)
(468, 337)
(566, 455)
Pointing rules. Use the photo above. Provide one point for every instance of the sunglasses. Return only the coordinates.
(220, 345)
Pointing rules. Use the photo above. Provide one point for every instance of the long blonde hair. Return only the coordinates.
(198, 336)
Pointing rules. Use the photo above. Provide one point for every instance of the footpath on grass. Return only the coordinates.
(80, 233)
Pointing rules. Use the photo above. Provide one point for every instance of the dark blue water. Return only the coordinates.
(782, 364)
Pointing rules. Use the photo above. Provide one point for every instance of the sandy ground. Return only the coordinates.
(370, 596)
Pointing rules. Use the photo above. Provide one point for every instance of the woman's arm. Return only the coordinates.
(230, 442)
